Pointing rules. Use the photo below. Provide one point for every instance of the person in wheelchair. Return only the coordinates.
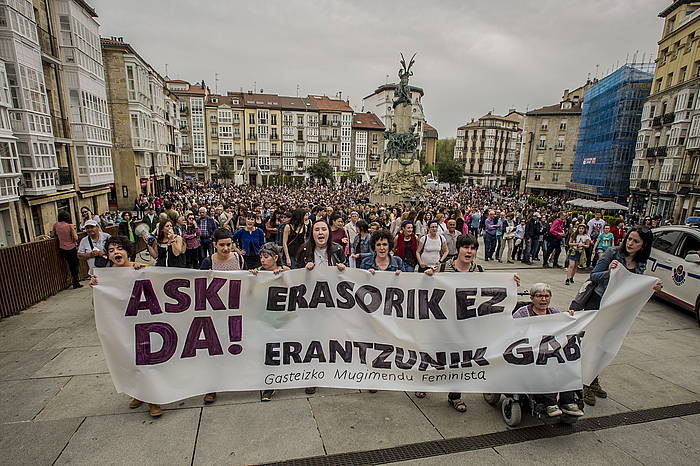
(541, 297)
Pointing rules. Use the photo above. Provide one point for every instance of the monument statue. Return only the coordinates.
(399, 176)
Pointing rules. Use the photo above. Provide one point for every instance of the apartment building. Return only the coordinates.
(665, 174)
(429, 147)
(551, 134)
(145, 124)
(262, 129)
(192, 127)
(488, 149)
(225, 130)
(40, 44)
(302, 142)
(368, 144)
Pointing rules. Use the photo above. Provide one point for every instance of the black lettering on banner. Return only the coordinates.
(478, 357)
(335, 348)
(400, 363)
(392, 301)
(411, 304)
(572, 350)
(525, 355)
(296, 297)
(322, 294)
(314, 351)
(291, 350)
(375, 298)
(489, 307)
(380, 361)
(549, 348)
(432, 304)
(276, 298)
(465, 299)
(426, 360)
(344, 289)
(272, 354)
(362, 347)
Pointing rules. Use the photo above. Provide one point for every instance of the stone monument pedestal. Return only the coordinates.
(397, 183)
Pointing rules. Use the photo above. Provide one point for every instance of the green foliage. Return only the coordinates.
(537, 201)
(353, 175)
(427, 169)
(449, 171)
(445, 150)
(322, 171)
(609, 219)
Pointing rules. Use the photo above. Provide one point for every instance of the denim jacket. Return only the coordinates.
(601, 272)
(395, 263)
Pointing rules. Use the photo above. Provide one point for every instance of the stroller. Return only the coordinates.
(514, 403)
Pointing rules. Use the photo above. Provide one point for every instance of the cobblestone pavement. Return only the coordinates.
(58, 404)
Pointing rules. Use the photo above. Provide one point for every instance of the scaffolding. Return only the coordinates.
(610, 121)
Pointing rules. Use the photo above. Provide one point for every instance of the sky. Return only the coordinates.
(473, 56)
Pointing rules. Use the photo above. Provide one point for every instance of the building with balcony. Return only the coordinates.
(488, 149)
(335, 118)
(665, 175)
(551, 134)
(368, 144)
(429, 147)
(225, 126)
(610, 122)
(262, 127)
(145, 124)
(192, 127)
(10, 173)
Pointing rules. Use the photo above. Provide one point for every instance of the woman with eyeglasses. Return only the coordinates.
(191, 235)
(555, 404)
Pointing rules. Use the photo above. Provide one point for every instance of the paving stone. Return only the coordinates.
(364, 422)
(22, 364)
(22, 320)
(23, 338)
(60, 319)
(666, 344)
(75, 361)
(694, 419)
(628, 355)
(82, 335)
(638, 389)
(51, 437)
(485, 457)
(251, 433)
(21, 400)
(582, 449)
(134, 439)
(87, 395)
(684, 372)
(320, 392)
(222, 398)
(480, 417)
(670, 441)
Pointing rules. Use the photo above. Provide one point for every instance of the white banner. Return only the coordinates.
(170, 333)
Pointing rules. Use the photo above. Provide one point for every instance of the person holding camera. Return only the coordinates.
(168, 248)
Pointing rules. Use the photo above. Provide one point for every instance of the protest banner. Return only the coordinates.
(170, 333)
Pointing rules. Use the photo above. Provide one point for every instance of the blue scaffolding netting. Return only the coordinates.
(610, 121)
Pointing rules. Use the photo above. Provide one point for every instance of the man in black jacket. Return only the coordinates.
(533, 228)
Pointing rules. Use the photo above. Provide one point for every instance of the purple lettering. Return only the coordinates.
(204, 294)
(150, 301)
(210, 342)
(172, 290)
(144, 355)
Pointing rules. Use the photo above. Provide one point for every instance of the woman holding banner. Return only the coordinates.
(632, 254)
(382, 243)
(467, 247)
(226, 257)
(320, 250)
(119, 251)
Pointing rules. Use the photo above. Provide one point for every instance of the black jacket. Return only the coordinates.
(306, 255)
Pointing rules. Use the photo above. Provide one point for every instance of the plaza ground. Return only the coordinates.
(58, 406)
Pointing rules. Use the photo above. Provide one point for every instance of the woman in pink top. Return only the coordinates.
(64, 230)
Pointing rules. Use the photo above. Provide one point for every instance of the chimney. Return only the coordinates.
(340, 95)
(261, 91)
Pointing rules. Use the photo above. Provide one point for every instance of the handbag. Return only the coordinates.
(583, 296)
(100, 261)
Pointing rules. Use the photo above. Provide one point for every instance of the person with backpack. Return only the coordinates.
(432, 248)
(467, 247)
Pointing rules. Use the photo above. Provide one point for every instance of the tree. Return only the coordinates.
(225, 169)
(445, 149)
(353, 175)
(449, 171)
(322, 171)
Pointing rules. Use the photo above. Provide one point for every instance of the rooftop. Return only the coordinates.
(557, 110)
(367, 120)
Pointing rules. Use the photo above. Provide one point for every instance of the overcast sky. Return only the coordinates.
(473, 56)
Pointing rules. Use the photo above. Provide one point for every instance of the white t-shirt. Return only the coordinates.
(431, 249)
(595, 227)
(84, 247)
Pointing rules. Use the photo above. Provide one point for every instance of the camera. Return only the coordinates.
(150, 239)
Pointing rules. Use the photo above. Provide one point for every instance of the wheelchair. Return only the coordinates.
(514, 404)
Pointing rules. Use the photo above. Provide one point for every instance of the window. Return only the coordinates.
(251, 118)
(543, 142)
(555, 177)
(691, 244)
(544, 125)
(538, 176)
(562, 125)
(666, 240)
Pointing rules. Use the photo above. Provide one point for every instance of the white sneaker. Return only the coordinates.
(571, 409)
(553, 411)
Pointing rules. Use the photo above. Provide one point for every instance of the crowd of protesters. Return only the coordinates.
(278, 228)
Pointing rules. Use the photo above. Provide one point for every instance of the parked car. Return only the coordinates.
(675, 259)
